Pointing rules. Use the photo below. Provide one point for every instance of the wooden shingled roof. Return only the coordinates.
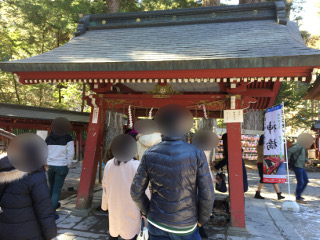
(16, 111)
(187, 56)
(223, 37)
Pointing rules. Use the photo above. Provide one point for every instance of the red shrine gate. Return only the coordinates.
(226, 57)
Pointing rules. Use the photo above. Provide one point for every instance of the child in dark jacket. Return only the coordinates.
(26, 211)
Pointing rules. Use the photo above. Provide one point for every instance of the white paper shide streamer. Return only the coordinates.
(150, 113)
(130, 117)
(204, 111)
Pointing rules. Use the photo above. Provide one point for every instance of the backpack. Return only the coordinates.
(292, 160)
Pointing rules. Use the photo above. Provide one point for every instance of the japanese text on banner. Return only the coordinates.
(273, 164)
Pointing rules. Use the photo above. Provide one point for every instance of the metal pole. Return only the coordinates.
(286, 149)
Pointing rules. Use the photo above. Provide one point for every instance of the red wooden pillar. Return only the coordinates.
(235, 175)
(91, 157)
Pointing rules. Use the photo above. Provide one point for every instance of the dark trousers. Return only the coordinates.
(260, 169)
(56, 177)
(158, 234)
(116, 238)
(302, 181)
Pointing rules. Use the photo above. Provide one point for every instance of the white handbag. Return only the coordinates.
(144, 234)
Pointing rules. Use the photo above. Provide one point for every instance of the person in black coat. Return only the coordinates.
(182, 190)
(225, 161)
(25, 203)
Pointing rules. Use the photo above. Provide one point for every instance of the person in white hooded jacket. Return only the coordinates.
(146, 141)
(61, 153)
(124, 215)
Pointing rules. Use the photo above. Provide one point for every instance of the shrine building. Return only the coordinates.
(218, 58)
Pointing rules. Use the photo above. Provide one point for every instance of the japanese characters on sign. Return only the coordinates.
(95, 115)
(274, 170)
(232, 116)
(273, 135)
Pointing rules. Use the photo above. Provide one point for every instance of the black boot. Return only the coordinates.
(258, 195)
(280, 196)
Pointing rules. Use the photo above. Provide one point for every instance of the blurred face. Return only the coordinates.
(27, 152)
(60, 126)
(205, 140)
(124, 147)
(174, 120)
(305, 140)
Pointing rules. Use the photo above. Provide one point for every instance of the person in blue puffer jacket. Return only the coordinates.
(182, 190)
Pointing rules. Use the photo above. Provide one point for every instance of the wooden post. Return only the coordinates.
(91, 157)
(78, 135)
(235, 175)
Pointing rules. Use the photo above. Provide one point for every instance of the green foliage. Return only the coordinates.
(32, 27)
(312, 41)
(130, 6)
(299, 113)
(41, 95)
(150, 5)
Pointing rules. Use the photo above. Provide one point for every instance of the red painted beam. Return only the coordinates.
(34, 124)
(21, 125)
(204, 73)
(91, 158)
(275, 89)
(258, 92)
(199, 113)
(119, 101)
(237, 210)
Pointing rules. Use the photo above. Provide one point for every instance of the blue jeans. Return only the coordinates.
(302, 181)
(158, 234)
(56, 176)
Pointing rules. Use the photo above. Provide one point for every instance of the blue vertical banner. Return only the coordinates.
(274, 169)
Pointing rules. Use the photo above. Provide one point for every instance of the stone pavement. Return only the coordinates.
(264, 219)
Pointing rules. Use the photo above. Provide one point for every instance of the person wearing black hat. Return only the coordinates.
(61, 152)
